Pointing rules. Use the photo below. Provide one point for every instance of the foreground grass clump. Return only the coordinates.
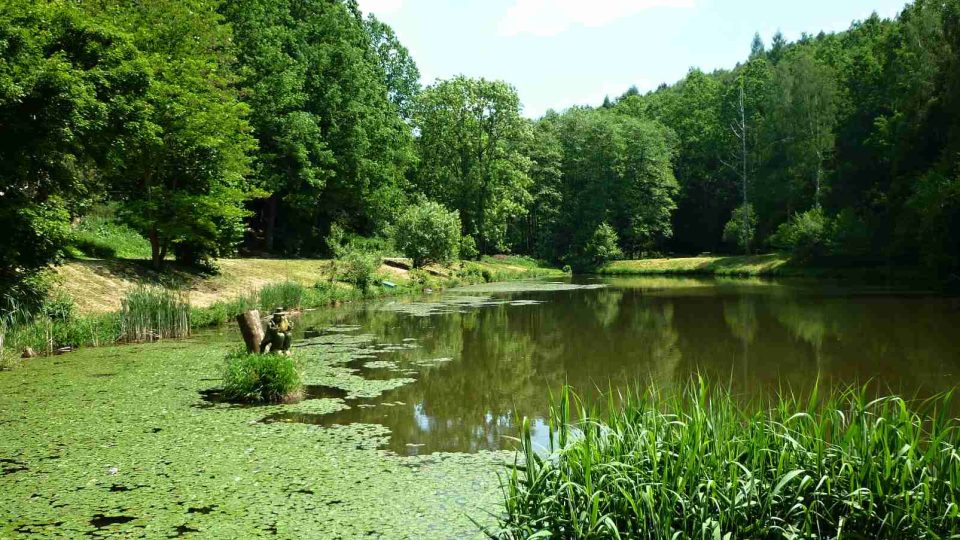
(261, 378)
(150, 313)
(699, 464)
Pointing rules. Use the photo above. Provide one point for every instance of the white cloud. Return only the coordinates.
(380, 7)
(551, 17)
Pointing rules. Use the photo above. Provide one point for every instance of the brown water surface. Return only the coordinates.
(486, 357)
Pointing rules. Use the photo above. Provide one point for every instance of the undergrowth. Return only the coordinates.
(99, 235)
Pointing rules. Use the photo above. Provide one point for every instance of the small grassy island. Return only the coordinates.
(263, 277)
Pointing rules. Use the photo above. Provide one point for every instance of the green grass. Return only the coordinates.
(261, 378)
(150, 314)
(742, 265)
(700, 464)
(99, 235)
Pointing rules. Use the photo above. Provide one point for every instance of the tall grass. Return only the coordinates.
(288, 294)
(261, 378)
(150, 314)
(53, 327)
(700, 464)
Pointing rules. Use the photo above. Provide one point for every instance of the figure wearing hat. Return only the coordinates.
(279, 333)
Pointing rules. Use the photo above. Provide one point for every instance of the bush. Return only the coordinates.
(741, 228)
(429, 233)
(58, 307)
(814, 235)
(358, 267)
(702, 464)
(261, 378)
(468, 248)
(601, 248)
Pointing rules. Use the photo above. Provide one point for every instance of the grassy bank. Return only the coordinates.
(770, 265)
(753, 265)
(147, 311)
(701, 464)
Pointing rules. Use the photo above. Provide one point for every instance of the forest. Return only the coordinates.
(254, 127)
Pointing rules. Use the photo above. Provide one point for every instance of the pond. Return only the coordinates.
(484, 357)
(414, 401)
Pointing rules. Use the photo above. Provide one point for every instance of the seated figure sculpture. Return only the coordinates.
(279, 335)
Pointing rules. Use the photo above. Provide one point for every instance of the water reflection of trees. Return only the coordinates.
(508, 358)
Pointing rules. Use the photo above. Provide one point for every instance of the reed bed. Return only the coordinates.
(700, 464)
(287, 294)
(152, 314)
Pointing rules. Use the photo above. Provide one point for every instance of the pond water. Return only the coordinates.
(462, 368)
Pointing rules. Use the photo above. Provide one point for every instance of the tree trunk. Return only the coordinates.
(251, 329)
(156, 254)
(270, 224)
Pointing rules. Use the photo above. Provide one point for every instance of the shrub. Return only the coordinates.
(59, 307)
(468, 248)
(288, 294)
(358, 267)
(806, 235)
(261, 378)
(428, 233)
(148, 314)
(701, 464)
(601, 247)
(742, 227)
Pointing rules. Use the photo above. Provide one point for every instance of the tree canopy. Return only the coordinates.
(255, 125)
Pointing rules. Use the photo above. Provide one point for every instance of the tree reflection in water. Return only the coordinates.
(759, 335)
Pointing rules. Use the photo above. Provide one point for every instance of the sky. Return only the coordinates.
(560, 53)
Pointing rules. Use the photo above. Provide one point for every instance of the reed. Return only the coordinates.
(701, 464)
(287, 294)
(152, 314)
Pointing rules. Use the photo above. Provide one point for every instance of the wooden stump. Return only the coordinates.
(252, 329)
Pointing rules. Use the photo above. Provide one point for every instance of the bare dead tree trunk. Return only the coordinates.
(251, 329)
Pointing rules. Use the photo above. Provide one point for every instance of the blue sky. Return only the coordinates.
(559, 53)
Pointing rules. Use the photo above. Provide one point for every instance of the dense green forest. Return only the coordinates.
(258, 126)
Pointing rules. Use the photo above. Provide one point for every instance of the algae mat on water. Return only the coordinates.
(118, 442)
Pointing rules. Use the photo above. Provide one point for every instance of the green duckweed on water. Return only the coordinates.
(120, 442)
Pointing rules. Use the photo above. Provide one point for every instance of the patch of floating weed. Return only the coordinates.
(447, 304)
(295, 479)
(524, 286)
(316, 406)
(381, 364)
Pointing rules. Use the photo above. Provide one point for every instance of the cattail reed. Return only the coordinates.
(152, 314)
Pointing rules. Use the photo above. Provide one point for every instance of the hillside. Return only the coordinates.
(96, 285)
